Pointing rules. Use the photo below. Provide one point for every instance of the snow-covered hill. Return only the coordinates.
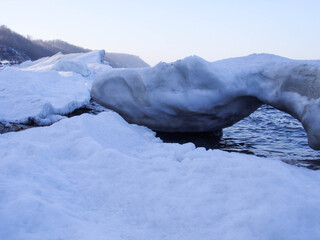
(35, 49)
(11, 55)
(122, 60)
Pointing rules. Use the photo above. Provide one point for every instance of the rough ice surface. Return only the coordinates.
(98, 177)
(81, 63)
(43, 90)
(193, 95)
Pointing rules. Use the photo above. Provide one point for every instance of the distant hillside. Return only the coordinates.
(56, 46)
(123, 60)
(12, 55)
(17, 48)
(21, 44)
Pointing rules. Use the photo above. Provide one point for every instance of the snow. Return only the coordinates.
(81, 63)
(39, 95)
(44, 90)
(193, 95)
(98, 177)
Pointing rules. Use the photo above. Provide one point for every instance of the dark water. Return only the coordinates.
(267, 132)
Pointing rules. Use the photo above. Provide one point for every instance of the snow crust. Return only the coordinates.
(81, 63)
(98, 177)
(193, 95)
(43, 90)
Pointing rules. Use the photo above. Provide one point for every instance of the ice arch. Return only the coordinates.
(193, 95)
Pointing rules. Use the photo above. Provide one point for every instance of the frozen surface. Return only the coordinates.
(193, 95)
(43, 90)
(98, 177)
(84, 64)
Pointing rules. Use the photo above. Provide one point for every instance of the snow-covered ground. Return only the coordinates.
(98, 177)
(45, 89)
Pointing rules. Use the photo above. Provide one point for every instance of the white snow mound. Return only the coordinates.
(45, 89)
(81, 63)
(98, 177)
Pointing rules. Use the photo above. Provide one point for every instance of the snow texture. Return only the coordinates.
(98, 177)
(43, 90)
(81, 63)
(193, 95)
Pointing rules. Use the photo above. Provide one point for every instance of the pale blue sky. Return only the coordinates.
(169, 30)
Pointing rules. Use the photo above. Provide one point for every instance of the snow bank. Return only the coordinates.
(98, 177)
(81, 63)
(43, 90)
(193, 95)
(40, 96)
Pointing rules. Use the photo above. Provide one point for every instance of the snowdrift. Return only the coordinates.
(193, 95)
(42, 91)
(81, 63)
(98, 177)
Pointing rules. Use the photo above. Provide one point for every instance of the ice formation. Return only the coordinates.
(81, 63)
(193, 95)
(42, 91)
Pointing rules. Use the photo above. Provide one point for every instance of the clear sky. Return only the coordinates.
(167, 30)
